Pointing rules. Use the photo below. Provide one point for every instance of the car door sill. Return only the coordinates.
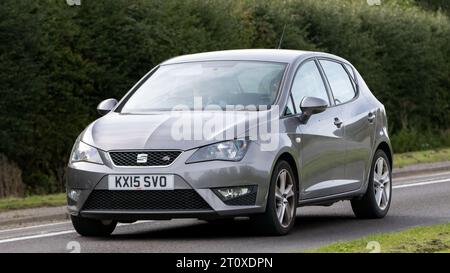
(329, 199)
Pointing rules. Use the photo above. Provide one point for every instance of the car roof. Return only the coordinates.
(268, 55)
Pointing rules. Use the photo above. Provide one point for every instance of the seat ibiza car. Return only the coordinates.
(251, 133)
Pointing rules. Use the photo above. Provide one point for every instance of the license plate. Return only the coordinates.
(140, 182)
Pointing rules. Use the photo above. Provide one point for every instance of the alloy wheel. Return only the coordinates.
(284, 198)
(382, 183)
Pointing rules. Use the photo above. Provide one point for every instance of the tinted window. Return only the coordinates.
(340, 83)
(308, 83)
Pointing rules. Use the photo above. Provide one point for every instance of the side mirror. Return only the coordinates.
(311, 106)
(106, 106)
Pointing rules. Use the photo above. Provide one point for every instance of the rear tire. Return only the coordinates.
(376, 201)
(92, 227)
(274, 221)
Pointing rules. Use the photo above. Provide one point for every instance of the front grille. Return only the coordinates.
(154, 158)
(145, 200)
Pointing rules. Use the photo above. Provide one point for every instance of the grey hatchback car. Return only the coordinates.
(241, 133)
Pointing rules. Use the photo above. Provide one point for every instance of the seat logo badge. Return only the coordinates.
(141, 158)
(165, 158)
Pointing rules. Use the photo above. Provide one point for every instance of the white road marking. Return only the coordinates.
(424, 177)
(9, 240)
(50, 234)
(37, 226)
(43, 235)
(421, 183)
(60, 223)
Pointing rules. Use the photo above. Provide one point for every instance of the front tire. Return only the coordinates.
(279, 217)
(376, 201)
(92, 227)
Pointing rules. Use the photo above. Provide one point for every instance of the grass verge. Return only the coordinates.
(427, 239)
(33, 201)
(428, 156)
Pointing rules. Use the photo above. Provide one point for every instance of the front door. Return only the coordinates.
(322, 149)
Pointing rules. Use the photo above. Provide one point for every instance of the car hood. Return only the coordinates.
(116, 131)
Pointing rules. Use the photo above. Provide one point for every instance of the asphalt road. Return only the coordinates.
(418, 200)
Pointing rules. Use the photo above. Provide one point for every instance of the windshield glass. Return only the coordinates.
(214, 83)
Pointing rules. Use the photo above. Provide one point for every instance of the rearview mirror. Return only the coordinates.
(311, 106)
(106, 106)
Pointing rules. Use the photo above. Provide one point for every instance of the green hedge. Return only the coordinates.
(57, 62)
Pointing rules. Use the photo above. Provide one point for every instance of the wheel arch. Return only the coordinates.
(384, 146)
(290, 159)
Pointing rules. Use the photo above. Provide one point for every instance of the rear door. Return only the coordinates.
(356, 118)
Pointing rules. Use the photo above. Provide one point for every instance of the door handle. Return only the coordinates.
(371, 117)
(337, 122)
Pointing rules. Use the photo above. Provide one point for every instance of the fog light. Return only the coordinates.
(233, 192)
(74, 195)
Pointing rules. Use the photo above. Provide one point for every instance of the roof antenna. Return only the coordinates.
(281, 38)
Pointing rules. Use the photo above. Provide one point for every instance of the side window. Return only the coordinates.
(350, 70)
(352, 75)
(340, 83)
(289, 108)
(308, 83)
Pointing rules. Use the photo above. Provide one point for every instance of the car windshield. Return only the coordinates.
(203, 84)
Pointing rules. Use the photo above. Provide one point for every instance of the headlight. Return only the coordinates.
(233, 150)
(83, 152)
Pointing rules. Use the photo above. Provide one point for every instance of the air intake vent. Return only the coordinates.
(145, 200)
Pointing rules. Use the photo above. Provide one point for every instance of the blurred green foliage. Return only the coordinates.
(435, 5)
(57, 62)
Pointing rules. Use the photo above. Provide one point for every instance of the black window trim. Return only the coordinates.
(290, 99)
(352, 75)
(331, 91)
(133, 90)
(329, 94)
(326, 83)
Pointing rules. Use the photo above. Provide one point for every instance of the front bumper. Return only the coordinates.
(201, 177)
